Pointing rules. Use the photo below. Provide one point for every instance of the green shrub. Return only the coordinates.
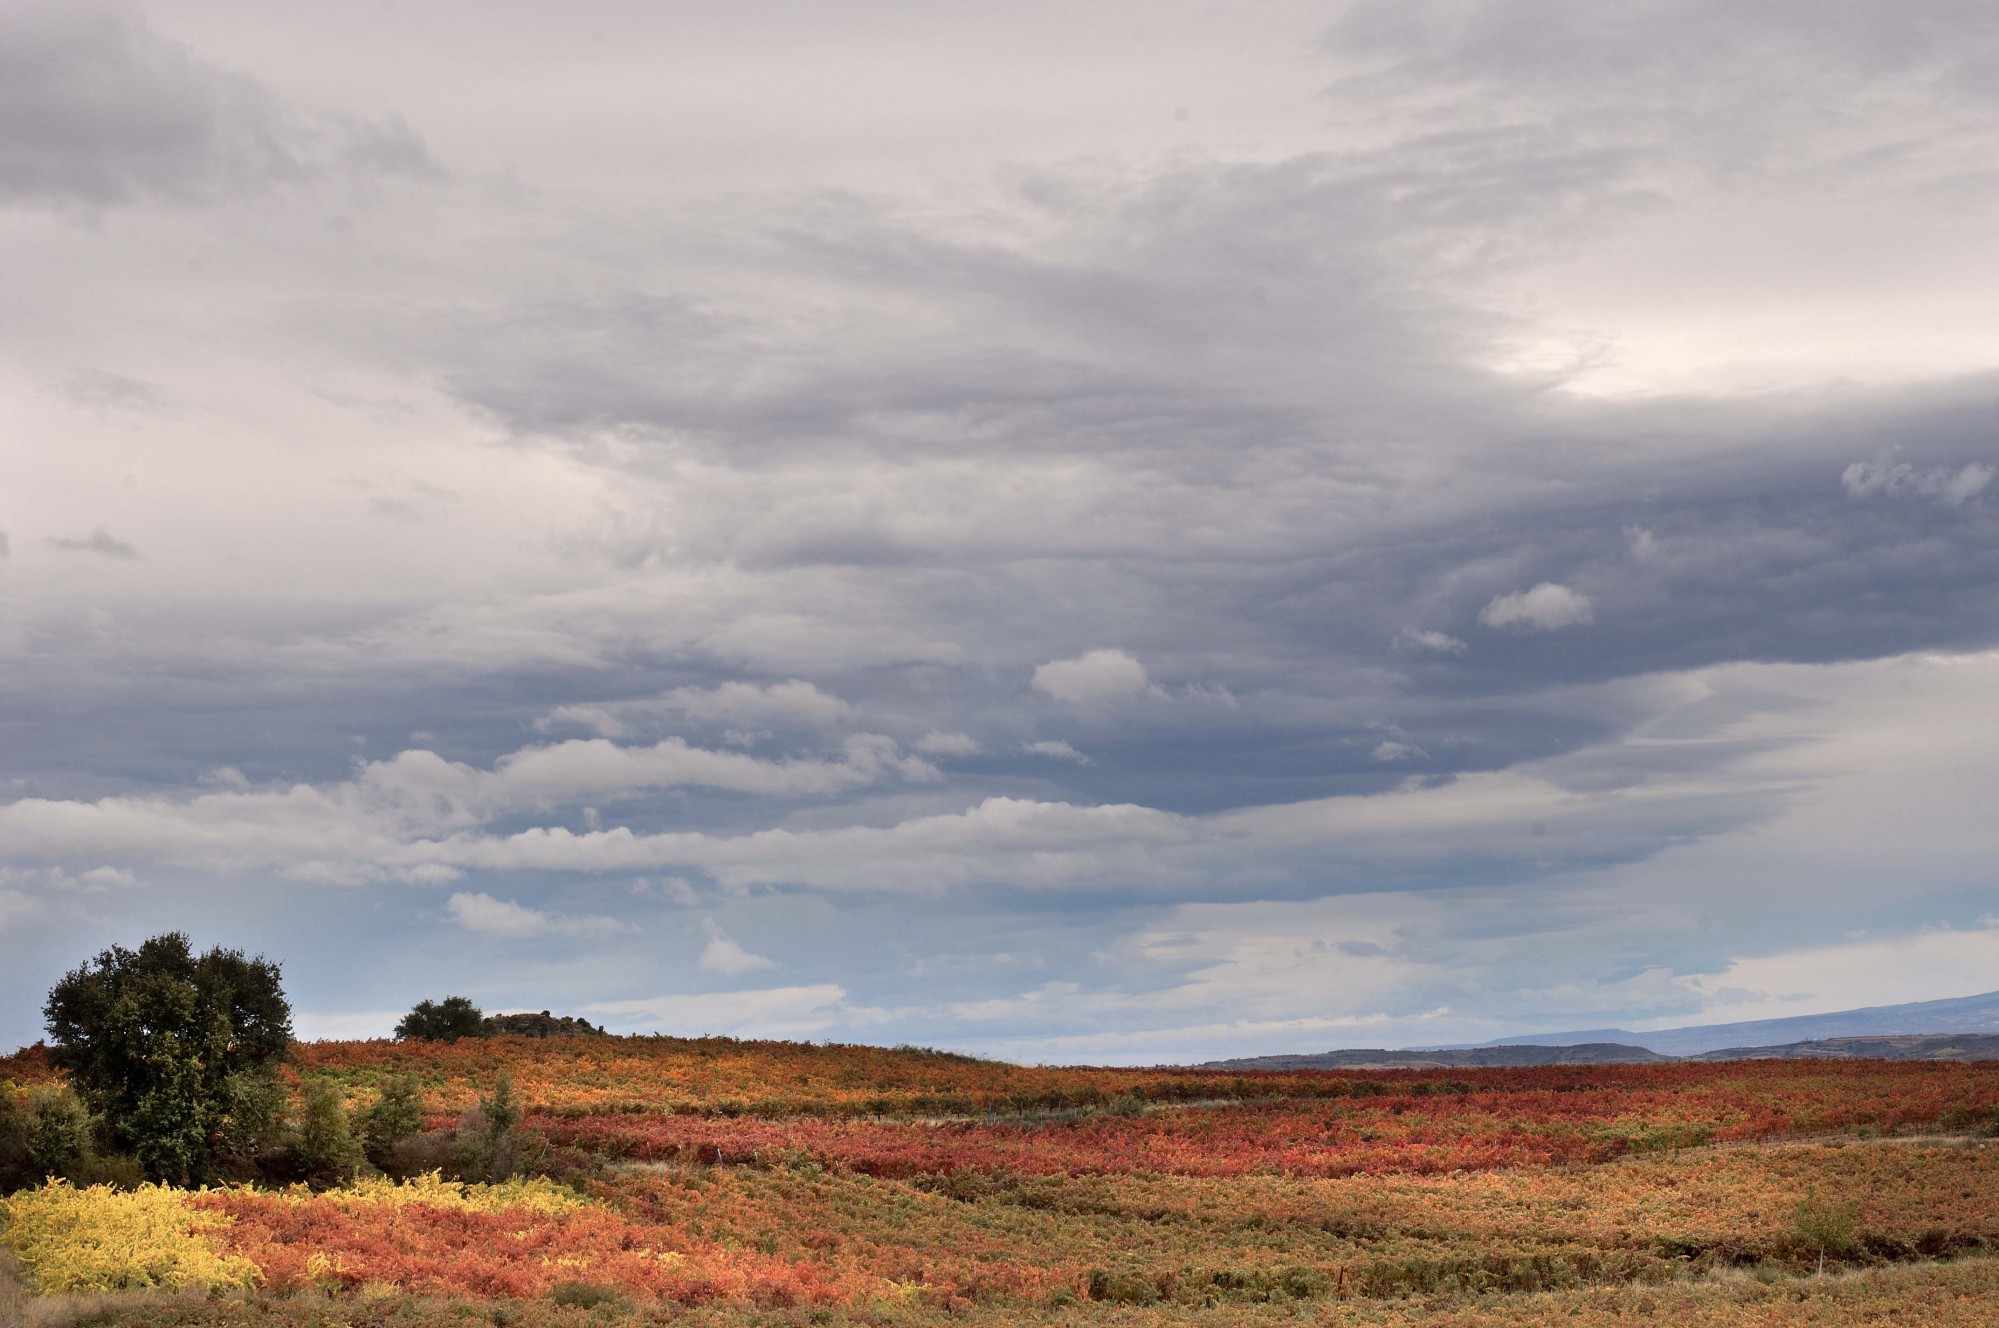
(486, 1146)
(325, 1142)
(58, 1133)
(1823, 1227)
(395, 1116)
(586, 1296)
(253, 1122)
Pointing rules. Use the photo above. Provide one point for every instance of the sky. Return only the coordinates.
(1092, 532)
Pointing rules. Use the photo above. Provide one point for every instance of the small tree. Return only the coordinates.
(58, 1133)
(486, 1147)
(253, 1121)
(326, 1145)
(395, 1116)
(1823, 1225)
(441, 1021)
(150, 1038)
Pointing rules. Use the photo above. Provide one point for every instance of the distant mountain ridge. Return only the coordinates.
(1935, 1047)
(1960, 1028)
(1593, 1053)
(1960, 1014)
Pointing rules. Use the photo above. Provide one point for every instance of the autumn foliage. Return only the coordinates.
(699, 1175)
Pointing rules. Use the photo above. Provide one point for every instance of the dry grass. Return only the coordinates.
(1962, 1294)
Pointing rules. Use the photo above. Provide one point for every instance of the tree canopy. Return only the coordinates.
(447, 1020)
(151, 1038)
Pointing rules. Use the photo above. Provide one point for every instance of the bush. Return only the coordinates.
(1822, 1226)
(58, 1134)
(325, 1143)
(70, 1240)
(486, 1145)
(395, 1116)
(430, 1150)
(585, 1296)
(253, 1123)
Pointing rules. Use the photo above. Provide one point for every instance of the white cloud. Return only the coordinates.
(501, 917)
(935, 743)
(1055, 749)
(585, 769)
(347, 831)
(594, 718)
(723, 955)
(792, 703)
(1441, 643)
(1093, 679)
(1545, 608)
(56, 877)
(1398, 751)
(1951, 488)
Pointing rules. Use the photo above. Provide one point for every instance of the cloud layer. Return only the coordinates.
(1386, 523)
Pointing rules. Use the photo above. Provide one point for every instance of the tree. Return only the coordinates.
(441, 1021)
(254, 1124)
(395, 1116)
(326, 1144)
(151, 1037)
(58, 1133)
(486, 1146)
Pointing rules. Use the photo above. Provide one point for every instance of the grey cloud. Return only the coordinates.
(101, 390)
(99, 541)
(861, 463)
(101, 110)
(1952, 488)
(1786, 88)
(1229, 439)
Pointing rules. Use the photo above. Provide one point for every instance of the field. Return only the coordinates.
(719, 1182)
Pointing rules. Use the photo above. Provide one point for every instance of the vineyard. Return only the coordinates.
(711, 1181)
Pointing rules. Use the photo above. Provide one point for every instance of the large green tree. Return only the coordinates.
(151, 1038)
(447, 1020)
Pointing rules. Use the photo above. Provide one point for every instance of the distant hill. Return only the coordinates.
(1962, 1028)
(1940, 1047)
(1594, 1053)
(1963, 1014)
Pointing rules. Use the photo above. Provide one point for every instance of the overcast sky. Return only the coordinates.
(1119, 532)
